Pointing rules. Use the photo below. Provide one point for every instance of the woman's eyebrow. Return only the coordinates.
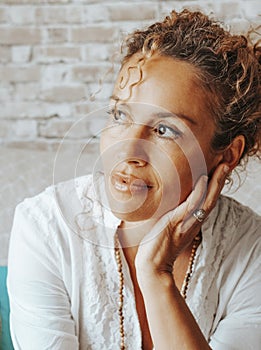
(162, 114)
(174, 115)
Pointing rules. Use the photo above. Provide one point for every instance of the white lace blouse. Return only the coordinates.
(63, 281)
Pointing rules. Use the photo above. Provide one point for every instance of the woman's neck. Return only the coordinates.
(131, 233)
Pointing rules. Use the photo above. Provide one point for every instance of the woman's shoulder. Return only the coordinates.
(238, 225)
(238, 214)
(51, 202)
(232, 227)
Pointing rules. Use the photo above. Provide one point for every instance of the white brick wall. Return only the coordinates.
(54, 52)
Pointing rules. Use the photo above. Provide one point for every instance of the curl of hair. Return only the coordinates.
(229, 70)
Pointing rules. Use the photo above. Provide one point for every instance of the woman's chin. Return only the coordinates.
(135, 216)
(133, 209)
(130, 204)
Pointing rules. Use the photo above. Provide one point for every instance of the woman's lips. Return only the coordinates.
(129, 183)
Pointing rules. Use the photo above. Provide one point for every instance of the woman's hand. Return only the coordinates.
(176, 230)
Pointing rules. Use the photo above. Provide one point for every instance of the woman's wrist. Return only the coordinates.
(155, 281)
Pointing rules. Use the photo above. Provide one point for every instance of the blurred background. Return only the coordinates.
(54, 56)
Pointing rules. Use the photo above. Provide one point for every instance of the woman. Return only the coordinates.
(149, 254)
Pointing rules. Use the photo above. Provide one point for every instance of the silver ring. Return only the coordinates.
(200, 214)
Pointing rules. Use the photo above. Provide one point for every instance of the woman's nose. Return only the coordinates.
(136, 161)
(134, 149)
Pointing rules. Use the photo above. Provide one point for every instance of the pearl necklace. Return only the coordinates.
(183, 291)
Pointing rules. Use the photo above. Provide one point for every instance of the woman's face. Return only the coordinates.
(157, 142)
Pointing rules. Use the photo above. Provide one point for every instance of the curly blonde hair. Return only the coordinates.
(229, 68)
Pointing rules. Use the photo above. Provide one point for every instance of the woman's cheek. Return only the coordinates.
(178, 183)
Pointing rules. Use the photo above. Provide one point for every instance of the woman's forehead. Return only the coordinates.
(164, 82)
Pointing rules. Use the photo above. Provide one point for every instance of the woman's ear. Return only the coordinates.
(233, 152)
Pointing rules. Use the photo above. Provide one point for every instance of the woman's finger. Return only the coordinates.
(183, 211)
(215, 186)
(186, 208)
(203, 197)
(214, 189)
(197, 196)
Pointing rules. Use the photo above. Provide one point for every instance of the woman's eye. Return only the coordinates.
(167, 132)
(118, 115)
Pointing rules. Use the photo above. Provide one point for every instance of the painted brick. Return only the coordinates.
(250, 9)
(22, 14)
(20, 35)
(33, 109)
(70, 129)
(125, 28)
(79, 150)
(92, 73)
(34, 2)
(26, 92)
(57, 14)
(5, 54)
(63, 94)
(63, 110)
(206, 6)
(13, 109)
(98, 52)
(50, 14)
(87, 108)
(6, 91)
(99, 92)
(55, 73)
(96, 13)
(3, 15)
(166, 7)
(6, 129)
(57, 54)
(75, 14)
(57, 2)
(54, 128)
(239, 26)
(20, 74)
(127, 12)
(26, 128)
(97, 122)
(21, 54)
(36, 144)
(56, 35)
(94, 33)
(224, 10)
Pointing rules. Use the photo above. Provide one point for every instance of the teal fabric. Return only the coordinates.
(5, 339)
